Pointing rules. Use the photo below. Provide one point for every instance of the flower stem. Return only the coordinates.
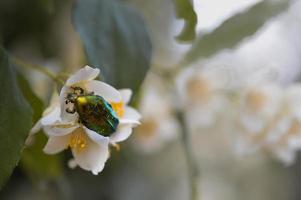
(38, 68)
(193, 171)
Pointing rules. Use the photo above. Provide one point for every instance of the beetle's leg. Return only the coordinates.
(78, 90)
(70, 111)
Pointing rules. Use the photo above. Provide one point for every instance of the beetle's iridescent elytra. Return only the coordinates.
(94, 111)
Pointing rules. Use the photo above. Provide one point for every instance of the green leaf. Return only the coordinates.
(184, 10)
(115, 39)
(15, 119)
(235, 29)
(39, 165)
(35, 102)
(34, 161)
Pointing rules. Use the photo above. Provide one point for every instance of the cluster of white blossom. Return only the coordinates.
(269, 119)
(265, 116)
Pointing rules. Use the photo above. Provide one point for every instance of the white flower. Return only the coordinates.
(201, 94)
(284, 139)
(270, 120)
(258, 106)
(64, 128)
(158, 126)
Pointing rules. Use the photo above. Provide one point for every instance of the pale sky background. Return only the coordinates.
(212, 13)
(272, 53)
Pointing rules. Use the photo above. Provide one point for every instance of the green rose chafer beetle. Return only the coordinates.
(94, 111)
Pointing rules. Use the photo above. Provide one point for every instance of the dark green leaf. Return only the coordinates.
(15, 119)
(39, 165)
(115, 39)
(34, 161)
(34, 101)
(184, 10)
(235, 29)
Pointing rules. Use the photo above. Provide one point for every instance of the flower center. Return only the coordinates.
(256, 100)
(118, 108)
(199, 90)
(78, 140)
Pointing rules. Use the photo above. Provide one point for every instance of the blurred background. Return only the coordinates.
(229, 83)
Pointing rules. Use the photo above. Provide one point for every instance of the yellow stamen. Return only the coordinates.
(78, 140)
(62, 125)
(118, 108)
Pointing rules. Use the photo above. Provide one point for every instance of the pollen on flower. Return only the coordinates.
(118, 108)
(78, 140)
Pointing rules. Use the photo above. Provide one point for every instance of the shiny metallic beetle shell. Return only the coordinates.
(96, 114)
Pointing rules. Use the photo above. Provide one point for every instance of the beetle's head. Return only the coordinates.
(71, 97)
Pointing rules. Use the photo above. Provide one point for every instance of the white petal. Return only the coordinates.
(131, 114)
(169, 129)
(109, 93)
(63, 95)
(294, 143)
(252, 123)
(126, 95)
(36, 128)
(96, 137)
(56, 144)
(93, 157)
(279, 130)
(59, 130)
(129, 121)
(52, 117)
(122, 133)
(66, 117)
(84, 74)
(286, 155)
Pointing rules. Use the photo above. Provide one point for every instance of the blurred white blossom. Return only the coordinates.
(284, 138)
(269, 120)
(201, 93)
(258, 104)
(158, 125)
